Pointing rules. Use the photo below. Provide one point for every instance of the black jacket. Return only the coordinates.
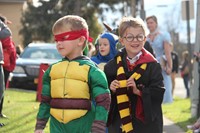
(175, 62)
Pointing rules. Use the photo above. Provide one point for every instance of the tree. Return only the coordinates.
(37, 21)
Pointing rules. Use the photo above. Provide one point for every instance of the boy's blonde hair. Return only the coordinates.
(128, 22)
(70, 21)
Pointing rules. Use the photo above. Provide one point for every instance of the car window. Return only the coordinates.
(40, 53)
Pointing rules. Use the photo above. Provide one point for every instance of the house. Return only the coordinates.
(12, 10)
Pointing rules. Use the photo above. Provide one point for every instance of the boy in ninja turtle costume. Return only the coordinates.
(71, 84)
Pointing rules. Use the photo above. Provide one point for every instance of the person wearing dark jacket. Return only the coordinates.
(185, 70)
(136, 83)
(175, 67)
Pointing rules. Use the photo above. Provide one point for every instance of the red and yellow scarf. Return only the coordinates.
(121, 93)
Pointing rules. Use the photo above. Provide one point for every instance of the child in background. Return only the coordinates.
(106, 49)
(136, 83)
(70, 84)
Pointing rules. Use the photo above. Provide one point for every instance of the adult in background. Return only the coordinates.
(4, 33)
(9, 53)
(175, 67)
(160, 43)
(185, 71)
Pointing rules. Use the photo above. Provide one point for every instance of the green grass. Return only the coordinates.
(179, 112)
(21, 108)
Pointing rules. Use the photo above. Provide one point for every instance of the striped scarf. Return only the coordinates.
(122, 97)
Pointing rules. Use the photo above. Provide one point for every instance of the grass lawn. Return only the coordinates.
(179, 112)
(21, 108)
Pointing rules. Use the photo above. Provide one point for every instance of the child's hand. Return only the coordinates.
(39, 131)
(114, 84)
(131, 85)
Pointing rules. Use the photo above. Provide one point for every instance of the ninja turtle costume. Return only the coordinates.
(69, 86)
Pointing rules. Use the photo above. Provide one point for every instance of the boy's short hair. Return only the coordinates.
(128, 22)
(70, 21)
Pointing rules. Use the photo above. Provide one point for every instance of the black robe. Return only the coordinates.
(152, 96)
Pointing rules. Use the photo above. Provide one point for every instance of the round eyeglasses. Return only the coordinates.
(131, 37)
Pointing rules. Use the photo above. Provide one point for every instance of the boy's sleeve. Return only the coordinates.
(101, 95)
(152, 94)
(44, 109)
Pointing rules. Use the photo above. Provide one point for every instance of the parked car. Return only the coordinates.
(25, 74)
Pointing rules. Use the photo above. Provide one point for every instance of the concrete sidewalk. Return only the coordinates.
(180, 91)
(170, 127)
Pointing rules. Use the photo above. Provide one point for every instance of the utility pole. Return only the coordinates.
(195, 97)
(188, 35)
(142, 11)
(133, 9)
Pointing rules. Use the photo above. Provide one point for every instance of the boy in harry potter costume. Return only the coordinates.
(136, 83)
(70, 85)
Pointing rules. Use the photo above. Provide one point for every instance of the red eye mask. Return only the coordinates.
(72, 35)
